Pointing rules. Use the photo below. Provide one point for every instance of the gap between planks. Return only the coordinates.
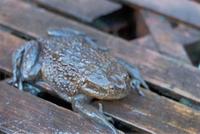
(185, 37)
(183, 34)
(186, 11)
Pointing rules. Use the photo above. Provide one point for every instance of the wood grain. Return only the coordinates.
(141, 28)
(186, 35)
(182, 34)
(23, 113)
(8, 45)
(155, 114)
(161, 30)
(186, 11)
(84, 10)
(168, 75)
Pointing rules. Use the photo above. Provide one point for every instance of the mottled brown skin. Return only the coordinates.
(73, 67)
(76, 69)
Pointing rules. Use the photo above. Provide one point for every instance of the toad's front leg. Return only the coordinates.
(80, 103)
(136, 77)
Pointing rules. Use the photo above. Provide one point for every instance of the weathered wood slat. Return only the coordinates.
(141, 27)
(182, 34)
(145, 42)
(149, 114)
(155, 114)
(161, 31)
(84, 10)
(186, 11)
(23, 113)
(186, 35)
(178, 79)
(7, 47)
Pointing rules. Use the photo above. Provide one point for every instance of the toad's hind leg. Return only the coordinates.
(137, 79)
(80, 103)
(25, 64)
(16, 65)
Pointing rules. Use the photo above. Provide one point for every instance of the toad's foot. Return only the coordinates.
(24, 87)
(16, 83)
(31, 89)
(80, 103)
(137, 79)
(135, 84)
(12, 82)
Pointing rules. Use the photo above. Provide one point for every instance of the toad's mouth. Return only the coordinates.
(106, 92)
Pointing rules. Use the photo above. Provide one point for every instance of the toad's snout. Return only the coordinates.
(119, 81)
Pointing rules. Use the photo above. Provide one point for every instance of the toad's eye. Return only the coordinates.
(99, 79)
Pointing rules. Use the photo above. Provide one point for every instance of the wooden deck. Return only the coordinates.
(171, 107)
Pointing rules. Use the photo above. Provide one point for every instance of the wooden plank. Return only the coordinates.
(7, 48)
(165, 73)
(23, 113)
(150, 114)
(184, 11)
(186, 35)
(146, 42)
(155, 114)
(161, 31)
(141, 27)
(182, 34)
(84, 10)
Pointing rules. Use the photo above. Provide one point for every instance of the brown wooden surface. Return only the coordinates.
(141, 27)
(167, 74)
(145, 42)
(161, 30)
(184, 35)
(155, 114)
(85, 10)
(149, 114)
(7, 47)
(152, 113)
(186, 11)
(23, 113)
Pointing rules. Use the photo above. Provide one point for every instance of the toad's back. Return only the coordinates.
(69, 61)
